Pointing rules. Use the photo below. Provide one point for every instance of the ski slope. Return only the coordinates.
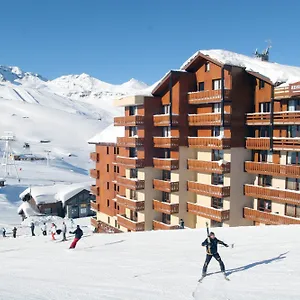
(159, 265)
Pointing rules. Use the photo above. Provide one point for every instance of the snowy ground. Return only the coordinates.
(263, 265)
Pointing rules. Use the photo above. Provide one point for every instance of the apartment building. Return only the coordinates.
(183, 153)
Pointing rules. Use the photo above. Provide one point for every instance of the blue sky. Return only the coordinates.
(115, 40)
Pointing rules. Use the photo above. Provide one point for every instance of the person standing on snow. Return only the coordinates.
(211, 244)
(3, 232)
(44, 229)
(53, 231)
(78, 234)
(64, 231)
(14, 232)
(32, 226)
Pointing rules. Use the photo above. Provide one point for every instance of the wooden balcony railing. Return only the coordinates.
(166, 186)
(286, 144)
(209, 166)
(258, 143)
(264, 168)
(209, 143)
(282, 92)
(258, 119)
(268, 218)
(165, 207)
(129, 120)
(163, 226)
(166, 163)
(210, 119)
(94, 222)
(95, 190)
(102, 227)
(94, 206)
(94, 173)
(209, 189)
(130, 142)
(130, 162)
(166, 142)
(219, 215)
(130, 224)
(276, 195)
(164, 120)
(130, 203)
(207, 96)
(131, 183)
(94, 156)
(279, 118)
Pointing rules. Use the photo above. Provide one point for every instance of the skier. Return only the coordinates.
(44, 229)
(64, 231)
(181, 224)
(53, 231)
(78, 234)
(3, 232)
(211, 244)
(14, 232)
(32, 228)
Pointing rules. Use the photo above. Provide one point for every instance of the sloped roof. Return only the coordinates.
(108, 135)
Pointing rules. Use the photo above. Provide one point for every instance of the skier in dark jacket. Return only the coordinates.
(211, 244)
(32, 226)
(78, 234)
(14, 232)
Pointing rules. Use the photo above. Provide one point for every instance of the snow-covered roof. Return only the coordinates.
(275, 72)
(54, 193)
(108, 135)
(28, 210)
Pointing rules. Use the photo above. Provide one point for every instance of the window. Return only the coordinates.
(107, 150)
(201, 86)
(165, 197)
(118, 151)
(216, 84)
(107, 168)
(133, 194)
(115, 150)
(133, 173)
(217, 178)
(261, 84)
(293, 158)
(217, 203)
(107, 202)
(115, 204)
(269, 156)
(217, 107)
(293, 131)
(265, 106)
(107, 185)
(116, 223)
(118, 170)
(132, 110)
(115, 187)
(217, 155)
(264, 205)
(217, 131)
(167, 153)
(108, 220)
(166, 218)
(264, 180)
(293, 105)
(207, 67)
(132, 131)
(264, 131)
(166, 131)
(292, 184)
(292, 210)
(132, 152)
(166, 175)
(48, 211)
(215, 224)
(166, 109)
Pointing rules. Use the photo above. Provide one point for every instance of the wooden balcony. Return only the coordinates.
(94, 222)
(102, 227)
(165, 207)
(258, 143)
(166, 142)
(219, 215)
(129, 120)
(209, 119)
(95, 190)
(273, 194)
(94, 173)
(130, 162)
(163, 226)
(130, 142)
(292, 171)
(279, 118)
(94, 156)
(94, 206)
(130, 224)
(208, 166)
(203, 97)
(209, 189)
(209, 143)
(282, 92)
(166, 163)
(130, 203)
(166, 186)
(292, 144)
(164, 120)
(268, 218)
(131, 183)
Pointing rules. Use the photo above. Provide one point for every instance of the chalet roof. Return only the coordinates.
(108, 136)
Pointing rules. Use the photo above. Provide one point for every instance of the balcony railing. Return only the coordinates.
(130, 142)
(164, 120)
(279, 118)
(209, 119)
(163, 226)
(166, 186)
(95, 190)
(130, 162)
(207, 96)
(282, 92)
(166, 142)
(281, 143)
(258, 143)
(264, 168)
(166, 163)
(94, 206)
(131, 183)
(94, 156)
(130, 203)
(209, 142)
(276, 195)
(130, 224)
(201, 166)
(219, 215)
(209, 189)
(94, 173)
(268, 218)
(165, 207)
(129, 120)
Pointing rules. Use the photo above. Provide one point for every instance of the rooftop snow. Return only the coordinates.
(275, 72)
(108, 135)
